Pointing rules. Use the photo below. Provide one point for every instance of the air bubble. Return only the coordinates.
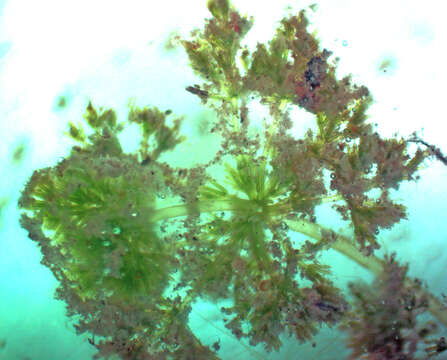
(117, 230)
(284, 226)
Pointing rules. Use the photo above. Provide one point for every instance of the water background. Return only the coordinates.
(56, 55)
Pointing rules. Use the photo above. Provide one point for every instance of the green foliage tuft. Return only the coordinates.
(152, 123)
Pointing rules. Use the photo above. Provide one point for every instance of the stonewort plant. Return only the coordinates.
(130, 264)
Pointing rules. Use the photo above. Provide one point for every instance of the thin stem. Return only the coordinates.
(346, 246)
(224, 205)
(201, 207)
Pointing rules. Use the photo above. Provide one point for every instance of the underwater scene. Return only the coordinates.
(219, 179)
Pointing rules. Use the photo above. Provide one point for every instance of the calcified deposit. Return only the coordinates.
(130, 264)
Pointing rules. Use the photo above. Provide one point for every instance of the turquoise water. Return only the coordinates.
(51, 65)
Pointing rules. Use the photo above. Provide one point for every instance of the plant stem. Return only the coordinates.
(346, 246)
(233, 204)
(206, 206)
(201, 206)
(343, 244)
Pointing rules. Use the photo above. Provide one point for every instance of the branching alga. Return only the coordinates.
(131, 266)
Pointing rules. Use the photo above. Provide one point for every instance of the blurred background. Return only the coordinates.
(56, 55)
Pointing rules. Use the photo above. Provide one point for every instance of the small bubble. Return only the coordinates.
(348, 139)
(117, 230)
(344, 43)
(333, 176)
(284, 226)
